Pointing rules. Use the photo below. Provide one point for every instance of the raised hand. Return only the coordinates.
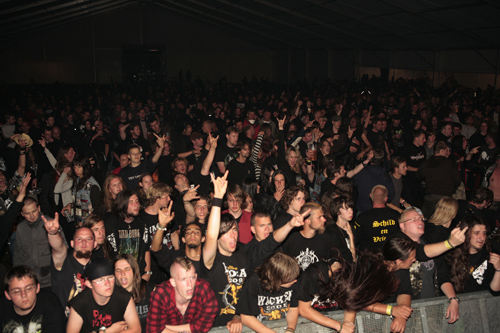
(220, 185)
(52, 226)
(298, 219)
(281, 123)
(160, 140)
(165, 215)
(42, 142)
(191, 194)
(457, 236)
(212, 141)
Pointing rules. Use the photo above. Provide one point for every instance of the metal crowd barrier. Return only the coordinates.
(479, 313)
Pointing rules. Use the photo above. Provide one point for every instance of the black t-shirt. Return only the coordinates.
(372, 227)
(131, 238)
(481, 273)
(281, 220)
(414, 156)
(46, 316)
(143, 306)
(96, 316)
(307, 251)
(225, 154)
(258, 251)
(69, 281)
(131, 175)
(309, 284)
(376, 139)
(165, 257)
(404, 285)
(239, 171)
(255, 301)
(226, 280)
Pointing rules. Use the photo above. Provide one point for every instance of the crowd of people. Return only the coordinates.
(182, 206)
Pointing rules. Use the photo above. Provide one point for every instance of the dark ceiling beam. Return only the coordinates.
(68, 18)
(316, 21)
(42, 10)
(17, 7)
(331, 7)
(283, 22)
(43, 13)
(213, 17)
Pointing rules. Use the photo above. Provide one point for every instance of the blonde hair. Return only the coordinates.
(297, 167)
(446, 210)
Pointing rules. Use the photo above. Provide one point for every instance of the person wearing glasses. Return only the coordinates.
(102, 306)
(25, 306)
(429, 269)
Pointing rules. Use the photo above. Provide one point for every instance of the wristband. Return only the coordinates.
(217, 202)
(455, 298)
(149, 272)
(448, 244)
(340, 329)
(159, 227)
(388, 311)
(289, 329)
(308, 162)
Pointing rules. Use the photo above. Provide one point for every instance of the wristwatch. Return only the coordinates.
(455, 298)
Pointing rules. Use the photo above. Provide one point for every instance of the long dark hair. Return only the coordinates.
(356, 285)
(458, 259)
(138, 285)
(82, 161)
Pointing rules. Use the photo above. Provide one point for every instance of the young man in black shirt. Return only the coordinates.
(102, 304)
(25, 308)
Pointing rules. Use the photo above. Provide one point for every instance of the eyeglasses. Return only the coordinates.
(415, 219)
(18, 291)
(102, 280)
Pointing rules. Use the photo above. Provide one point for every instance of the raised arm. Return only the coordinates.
(191, 194)
(59, 250)
(160, 141)
(457, 237)
(212, 233)
(165, 216)
(207, 163)
(296, 222)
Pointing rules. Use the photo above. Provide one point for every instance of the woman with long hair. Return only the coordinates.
(268, 294)
(85, 189)
(342, 212)
(437, 230)
(373, 278)
(473, 267)
(145, 182)
(128, 276)
(113, 184)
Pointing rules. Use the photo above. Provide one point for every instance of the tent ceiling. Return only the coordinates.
(295, 24)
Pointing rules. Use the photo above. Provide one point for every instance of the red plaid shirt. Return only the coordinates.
(200, 313)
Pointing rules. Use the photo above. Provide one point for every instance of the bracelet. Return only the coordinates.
(217, 202)
(455, 298)
(388, 311)
(289, 329)
(497, 270)
(448, 244)
(340, 329)
(308, 162)
(159, 227)
(149, 272)
(186, 201)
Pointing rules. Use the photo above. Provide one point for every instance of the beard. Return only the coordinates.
(83, 254)
(193, 245)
